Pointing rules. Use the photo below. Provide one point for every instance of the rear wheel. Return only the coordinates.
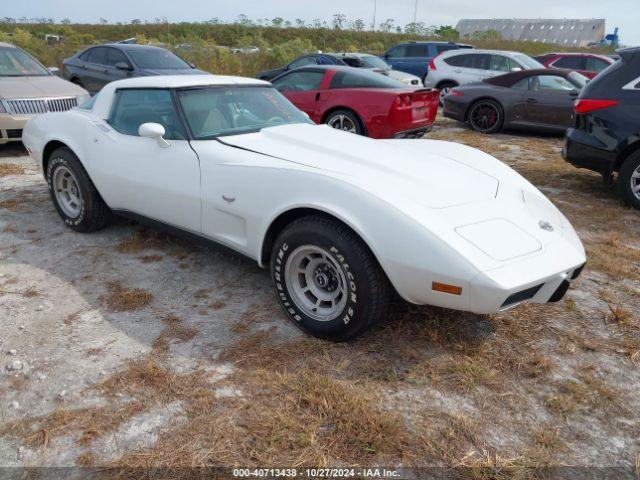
(73, 194)
(326, 279)
(345, 120)
(445, 89)
(486, 116)
(629, 180)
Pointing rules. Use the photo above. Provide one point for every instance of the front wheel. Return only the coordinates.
(326, 279)
(486, 116)
(75, 197)
(346, 121)
(629, 180)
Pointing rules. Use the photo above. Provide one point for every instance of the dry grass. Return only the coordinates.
(10, 169)
(120, 299)
(150, 258)
(10, 229)
(173, 330)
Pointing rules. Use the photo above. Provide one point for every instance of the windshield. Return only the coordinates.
(527, 62)
(16, 63)
(374, 62)
(218, 111)
(578, 79)
(157, 59)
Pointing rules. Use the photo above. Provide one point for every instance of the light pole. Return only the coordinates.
(415, 12)
(375, 6)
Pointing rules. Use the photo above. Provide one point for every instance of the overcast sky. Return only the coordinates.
(621, 13)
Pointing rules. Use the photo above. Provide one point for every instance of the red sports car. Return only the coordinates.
(360, 101)
(588, 64)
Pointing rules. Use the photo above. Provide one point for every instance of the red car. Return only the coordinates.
(360, 101)
(588, 64)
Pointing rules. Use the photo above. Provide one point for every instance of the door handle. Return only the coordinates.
(531, 100)
(317, 96)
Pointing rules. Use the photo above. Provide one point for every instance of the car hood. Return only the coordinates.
(38, 87)
(422, 176)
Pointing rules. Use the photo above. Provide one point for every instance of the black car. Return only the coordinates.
(303, 61)
(540, 99)
(606, 133)
(94, 67)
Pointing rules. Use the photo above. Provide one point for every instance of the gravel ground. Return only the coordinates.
(537, 387)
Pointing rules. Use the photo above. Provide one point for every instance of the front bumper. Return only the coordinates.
(584, 151)
(11, 127)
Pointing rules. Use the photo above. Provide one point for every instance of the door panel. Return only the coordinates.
(549, 101)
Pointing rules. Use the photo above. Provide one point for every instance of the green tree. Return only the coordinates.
(447, 32)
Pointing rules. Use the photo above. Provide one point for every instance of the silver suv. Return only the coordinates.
(457, 67)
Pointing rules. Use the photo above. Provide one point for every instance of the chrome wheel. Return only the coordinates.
(444, 91)
(316, 282)
(342, 122)
(635, 183)
(67, 192)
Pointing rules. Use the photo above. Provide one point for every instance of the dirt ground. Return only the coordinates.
(134, 350)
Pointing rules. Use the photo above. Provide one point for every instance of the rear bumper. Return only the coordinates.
(585, 151)
(11, 127)
(413, 133)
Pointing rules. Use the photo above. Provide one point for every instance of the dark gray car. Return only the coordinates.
(540, 99)
(94, 67)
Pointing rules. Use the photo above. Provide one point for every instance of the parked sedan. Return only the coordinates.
(588, 64)
(605, 136)
(360, 101)
(27, 88)
(531, 99)
(356, 60)
(94, 67)
(341, 220)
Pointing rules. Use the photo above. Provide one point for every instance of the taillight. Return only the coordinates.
(432, 64)
(586, 105)
(403, 101)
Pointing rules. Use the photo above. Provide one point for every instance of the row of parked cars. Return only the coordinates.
(392, 96)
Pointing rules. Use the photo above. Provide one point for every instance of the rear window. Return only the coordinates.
(157, 58)
(444, 48)
(363, 79)
(572, 63)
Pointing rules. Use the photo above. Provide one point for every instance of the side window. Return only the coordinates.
(594, 64)
(301, 62)
(521, 84)
(85, 56)
(325, 60)
(456, 60)
(417, 50)
(444, 48)
(98, 55)
(133, 107)
(513, 65)
(397, 52)
(478, 61)
(299, 81)
(115, 56)
(550, 84)
(499, 63)
(571, 63)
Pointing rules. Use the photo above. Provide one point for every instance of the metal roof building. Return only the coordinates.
(565, 32)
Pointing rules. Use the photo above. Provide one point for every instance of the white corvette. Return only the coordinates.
(339, 219)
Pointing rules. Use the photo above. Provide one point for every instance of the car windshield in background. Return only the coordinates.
(16, 63)
(363, 79)
(219, 111)
(527, 61)
(578, 79)
(157, 59)
(374, 62)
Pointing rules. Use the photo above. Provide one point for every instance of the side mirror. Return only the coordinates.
(515, 69)
(123, 66)
(192, 65)
(155, 131)
(54, 70)
(574, 93)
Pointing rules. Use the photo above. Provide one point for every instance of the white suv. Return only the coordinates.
(457, 67)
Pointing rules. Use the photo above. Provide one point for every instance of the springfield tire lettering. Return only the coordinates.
(50, 169)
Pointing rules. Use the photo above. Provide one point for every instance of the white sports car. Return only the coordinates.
(340, 219)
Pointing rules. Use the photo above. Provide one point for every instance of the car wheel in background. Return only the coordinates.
(445, 89)
(629, 180)
(75, 197)
(345, 120)
(486, 116)
(327, 280)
